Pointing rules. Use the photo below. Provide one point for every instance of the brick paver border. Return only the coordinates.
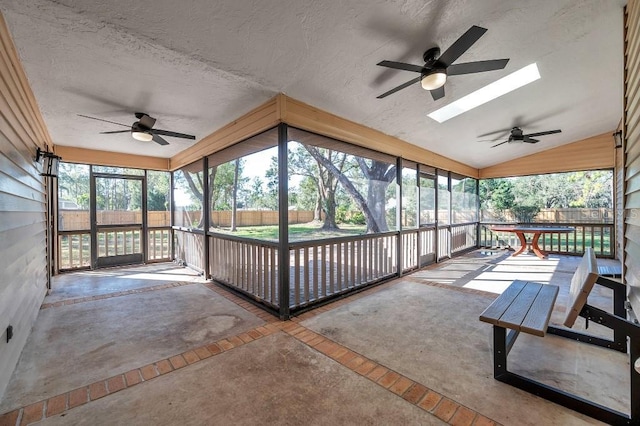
(402, 386)
(85, 394)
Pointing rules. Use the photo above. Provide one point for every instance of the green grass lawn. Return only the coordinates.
(297, 232)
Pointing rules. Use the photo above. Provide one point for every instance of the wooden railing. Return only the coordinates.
(189, 248)
(119, 241)
(463, 237)
(322, 268)
(74, 247)
(599, 236)
(159, 244)
(418, 248)
(74, 250)
(247, 265)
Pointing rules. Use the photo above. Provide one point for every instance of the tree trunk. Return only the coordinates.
(372, 226)
(379, 175)
(330, 211)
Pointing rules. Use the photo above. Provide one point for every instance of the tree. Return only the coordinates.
(378, 175)
(496, 194)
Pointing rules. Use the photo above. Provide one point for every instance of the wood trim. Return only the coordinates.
(593, 153)
(24, 95)
(71, 154)
(307, 117)
(262, 118)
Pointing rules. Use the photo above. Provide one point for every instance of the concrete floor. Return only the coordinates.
(423, 328)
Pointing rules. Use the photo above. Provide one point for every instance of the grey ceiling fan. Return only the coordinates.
(517, 135)
(143, 130)
(437, 67)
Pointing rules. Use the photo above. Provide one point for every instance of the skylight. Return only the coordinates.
(489, 92)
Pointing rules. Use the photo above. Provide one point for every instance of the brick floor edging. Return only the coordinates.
(61, 403)
(442, 407)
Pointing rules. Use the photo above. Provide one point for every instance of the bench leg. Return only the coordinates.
(634, 360)
(499, 351)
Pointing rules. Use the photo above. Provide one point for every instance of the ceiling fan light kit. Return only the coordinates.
(142, 136)
(434, 79)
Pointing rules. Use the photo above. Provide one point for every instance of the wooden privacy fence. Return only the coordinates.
(79, 219)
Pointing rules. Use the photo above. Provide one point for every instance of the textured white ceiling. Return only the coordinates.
(197, 65)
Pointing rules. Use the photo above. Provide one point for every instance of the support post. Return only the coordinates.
(399, 248)
(283, 223)
(436, 237)
(172, 219)
(478, 213)
(418, 207)
(144, 238)
(206, 216)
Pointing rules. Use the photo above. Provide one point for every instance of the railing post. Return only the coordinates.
(283, 223)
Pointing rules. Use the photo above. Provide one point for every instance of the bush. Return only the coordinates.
(525, 214)
(354, 217)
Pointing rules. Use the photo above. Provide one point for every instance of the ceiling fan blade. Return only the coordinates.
(145, 119)
(437, 93)
(168, 133)
(157, 139)
(461, 45)
(529, 140)
(402, 86)
(478, 66)
(115, 131)
(400, 66)
(499, 144)
(550, 132)
(106, 121)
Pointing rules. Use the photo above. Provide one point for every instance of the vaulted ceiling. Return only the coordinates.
(197, 65)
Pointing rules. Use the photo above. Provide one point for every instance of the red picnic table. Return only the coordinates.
(536, 231)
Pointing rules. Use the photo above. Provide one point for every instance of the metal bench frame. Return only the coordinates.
(625, 332)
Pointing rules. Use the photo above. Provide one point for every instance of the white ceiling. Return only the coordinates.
(197, 65)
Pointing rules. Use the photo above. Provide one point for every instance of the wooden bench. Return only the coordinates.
(610, 271)
(526, 307)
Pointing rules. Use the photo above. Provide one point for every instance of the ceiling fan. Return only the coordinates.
(516, 135)
(143, 130)
(434, 72)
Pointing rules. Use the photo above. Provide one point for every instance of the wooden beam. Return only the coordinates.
(593, 153)
(262, 118)
(306, 117)
(282, 109)
(71, 154)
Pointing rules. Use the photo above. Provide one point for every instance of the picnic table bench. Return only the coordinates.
(527, 306)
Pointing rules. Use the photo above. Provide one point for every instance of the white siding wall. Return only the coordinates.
(632, 153)
(23, 233)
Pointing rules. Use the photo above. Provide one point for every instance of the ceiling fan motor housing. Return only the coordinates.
(431, 57)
